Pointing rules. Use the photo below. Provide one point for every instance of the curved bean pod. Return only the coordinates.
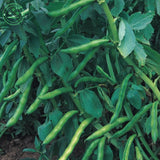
(59, 126)
(90, 149)
(133, 121)
(69, 8)
(85, 47)
(121, 98)
(75, 138)
(31, 70)
(101, 148)
(107, 128)
(55, 93)
(13, 120)
(128, 146)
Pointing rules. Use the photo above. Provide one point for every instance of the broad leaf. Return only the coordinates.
(118, 7)
(91, 103)
(158, 7)
(44, 130)
(134, 98)
(140, 54)
(139, 21)
(62, 65)
(127, 44)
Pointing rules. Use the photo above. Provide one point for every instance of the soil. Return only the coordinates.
(13, 149)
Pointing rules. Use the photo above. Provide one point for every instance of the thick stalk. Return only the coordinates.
(110, 18)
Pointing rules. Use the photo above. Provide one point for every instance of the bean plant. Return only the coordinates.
(82, 77)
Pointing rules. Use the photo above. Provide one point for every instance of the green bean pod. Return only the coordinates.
(133, 121)
(85, 47)
(128, 146)
(2, 109)
(89, 79)
(121, 98)
(108, 78)
(13, 120)
(11, 48)
(12, 96)
(90, 149)
(82, 64)
(31, 70)
(101, 148)
(4, 77)
(59, 126)
(75, 138)
(107, 128)
(138, 153)
(10, 80)
(70, 22)
(69, 8)
(154, 122)
(37, 101)
(55, 93)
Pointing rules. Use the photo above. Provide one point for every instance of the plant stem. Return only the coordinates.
(110, 18)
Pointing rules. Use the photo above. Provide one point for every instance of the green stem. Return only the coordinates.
(110, 18)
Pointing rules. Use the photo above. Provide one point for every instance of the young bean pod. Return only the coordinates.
(69, 8)
(59, 126)
(13, 120)
(10, 80)
(4, 78)
(121, 98)
(108, 78)
(128, 146)
(101, 148)
(37, 101)
(85, 47)
(82, 64)
(12, 96)
(154, 122)
(31, 70)
(133, 121)
(11, 48)
(107, 128)
(55, 93)
(70, 22)
(75, 138)
(138, 154)
(90, 149)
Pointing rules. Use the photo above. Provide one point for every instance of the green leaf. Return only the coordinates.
(127, 44)
(55, 116)
(37, 143)
(149, 5)
(118, 7)
(29, 150)
(37, 4)
(43, 20)
(148, 31)
(139, 21)
(34, 46)
(91, 103)
(134, 98)
(115, 96)
(4, 37)
(44, 130)
(108, 153)
(158, 7)
(140, 54)
(62, 65)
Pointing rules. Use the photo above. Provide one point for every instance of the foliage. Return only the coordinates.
(91, 47)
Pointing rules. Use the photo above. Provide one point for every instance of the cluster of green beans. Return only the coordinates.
(10, 82)
(20, 108)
